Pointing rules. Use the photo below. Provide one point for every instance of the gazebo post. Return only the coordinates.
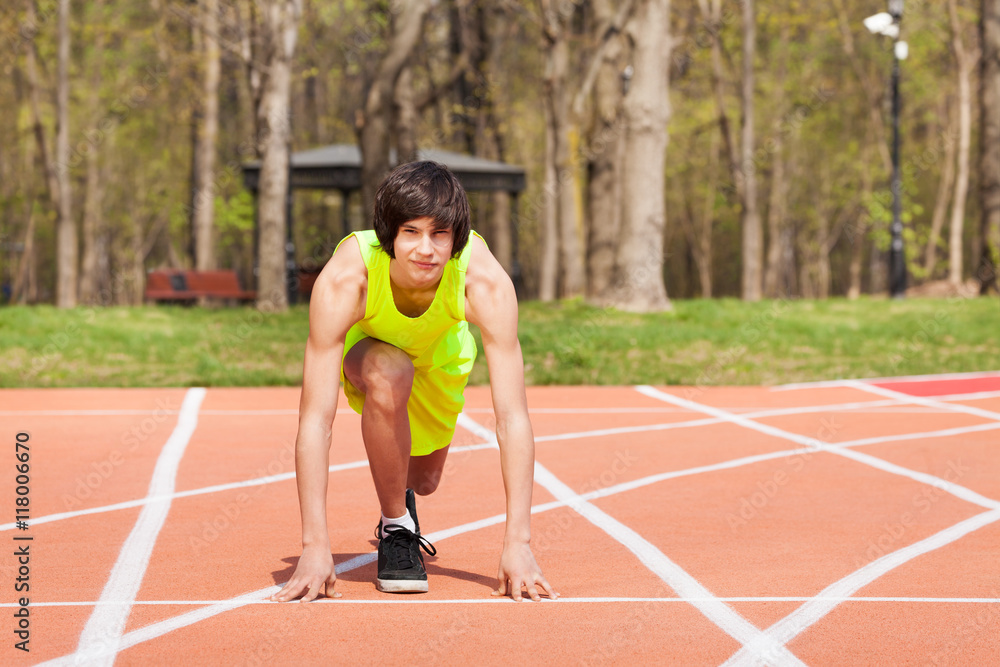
(256, 238)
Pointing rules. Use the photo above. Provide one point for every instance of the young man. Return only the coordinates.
(388, 315)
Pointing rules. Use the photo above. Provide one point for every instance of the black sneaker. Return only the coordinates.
(400, 563)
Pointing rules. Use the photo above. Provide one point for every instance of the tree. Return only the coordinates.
(208, 137)
(605, 149)
(67, 255)
(989, 155)
(965, 61)
(94, 264)
(562, 249)
(279, 21)
(740, 155)
(753, 233)
(406, 22)
(639, 283)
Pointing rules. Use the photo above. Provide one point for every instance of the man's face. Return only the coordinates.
(422, 250)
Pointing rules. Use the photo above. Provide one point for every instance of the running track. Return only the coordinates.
(837, 523)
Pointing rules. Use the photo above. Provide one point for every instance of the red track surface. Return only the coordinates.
(830, 524)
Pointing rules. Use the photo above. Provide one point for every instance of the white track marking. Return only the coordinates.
(760, 652)
(974, 396)
(161, 628)
(270, 479)
(816, 608)
(669, 572)
(903, 378)
(560, 600)
(925, 401)
(668, 475)
(626, 429)
(943, 433)
(99, 641)
(924, 478)
(257, 481)
(257, 597)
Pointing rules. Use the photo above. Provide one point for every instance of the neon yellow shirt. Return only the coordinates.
(438, 342)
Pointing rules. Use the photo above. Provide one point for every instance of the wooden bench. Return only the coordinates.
(178, 285)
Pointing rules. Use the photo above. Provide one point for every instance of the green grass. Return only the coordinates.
(702, 342)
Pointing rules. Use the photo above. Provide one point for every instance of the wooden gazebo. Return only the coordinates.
(338, 167)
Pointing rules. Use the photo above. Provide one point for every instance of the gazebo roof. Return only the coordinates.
(338, 167)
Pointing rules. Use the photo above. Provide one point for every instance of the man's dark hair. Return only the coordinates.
(417, 190)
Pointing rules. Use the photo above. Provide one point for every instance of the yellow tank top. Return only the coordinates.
(440, 336)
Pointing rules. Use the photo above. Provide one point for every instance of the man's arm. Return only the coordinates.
(491, 304)
(337, 302)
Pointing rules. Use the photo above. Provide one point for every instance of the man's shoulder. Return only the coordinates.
(484, 269)
(345, 274)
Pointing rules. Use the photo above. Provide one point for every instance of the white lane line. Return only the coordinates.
(669, 572)
(762, 651)
(257, 481)
(924, 478)
(102, 633)
(561, 600)
(163, 627)
(974, 396)
(270, 479)
(903, 378)
(925, 401)
(626, 429)
(816, 608)
(943, 433)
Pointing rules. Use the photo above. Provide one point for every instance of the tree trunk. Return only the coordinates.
(570, 273)
(989, 156)
(25, 287)
(67, 253)
(549, 260)
(405, 117)
(280, 24)
(204, 196)
(965, 62)
(93, 213)
(494, 26)
(605, 151)
(858, 232)
(945, 186)
(753, 234)
(405, 27)
(778, 200)
(639, 278)
(776, 211)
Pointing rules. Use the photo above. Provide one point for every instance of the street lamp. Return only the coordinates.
(887, 24)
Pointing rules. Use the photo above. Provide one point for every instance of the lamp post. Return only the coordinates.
(887, 24)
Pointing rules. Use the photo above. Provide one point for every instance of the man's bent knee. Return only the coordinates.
(388, 369)
(424, 485)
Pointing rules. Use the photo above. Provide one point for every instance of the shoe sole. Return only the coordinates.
(401, 585)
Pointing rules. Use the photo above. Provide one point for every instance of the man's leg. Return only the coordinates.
(384, 373)
(425, 472)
